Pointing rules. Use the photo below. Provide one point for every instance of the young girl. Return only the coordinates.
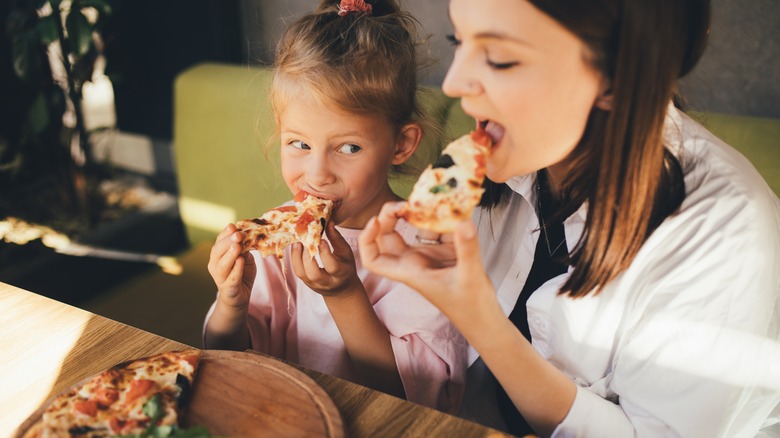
(344, 95)
(636, 255)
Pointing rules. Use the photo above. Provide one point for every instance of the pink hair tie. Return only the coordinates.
(348, 6)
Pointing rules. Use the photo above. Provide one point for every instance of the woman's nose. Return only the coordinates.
(460, 81)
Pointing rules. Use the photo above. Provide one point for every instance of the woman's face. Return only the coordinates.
(526, 76)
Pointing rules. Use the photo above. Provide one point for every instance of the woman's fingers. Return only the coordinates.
(370, 252)
(466, 244)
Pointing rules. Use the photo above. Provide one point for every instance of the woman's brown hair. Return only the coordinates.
(360, 62)
(621, 167)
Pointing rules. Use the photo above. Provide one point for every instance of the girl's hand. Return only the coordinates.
(338, 273)
(449, 275)
(233, 272)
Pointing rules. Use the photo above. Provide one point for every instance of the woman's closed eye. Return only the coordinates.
(349, 148)
(501, 65)
(298, 144)
(496, 65)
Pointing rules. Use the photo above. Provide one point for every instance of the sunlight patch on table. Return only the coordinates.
(25, 388)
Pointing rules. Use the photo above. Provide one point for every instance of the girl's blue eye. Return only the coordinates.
(299, 145)
(349, 148)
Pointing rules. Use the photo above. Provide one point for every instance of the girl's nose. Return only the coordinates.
(319, 172)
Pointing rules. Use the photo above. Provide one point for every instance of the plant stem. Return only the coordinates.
(77, 173)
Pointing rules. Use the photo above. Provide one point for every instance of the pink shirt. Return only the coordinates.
(429, 352)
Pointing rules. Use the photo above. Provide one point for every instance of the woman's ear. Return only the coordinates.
(407, 142)
(605, 99)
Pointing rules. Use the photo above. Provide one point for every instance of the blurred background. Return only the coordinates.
(87, 146)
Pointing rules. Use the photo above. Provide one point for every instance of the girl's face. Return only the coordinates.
(526, 76)
(339, 156)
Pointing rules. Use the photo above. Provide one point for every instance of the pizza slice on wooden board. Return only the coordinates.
(142, 397)
(278, 228)
(449, 189)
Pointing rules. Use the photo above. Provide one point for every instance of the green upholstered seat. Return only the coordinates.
(223, 122)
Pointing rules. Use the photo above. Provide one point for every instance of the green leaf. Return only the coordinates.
(79, 32)
(101, 5)
(25, 56)
(38, 115)
(153, 408)
(47, 29)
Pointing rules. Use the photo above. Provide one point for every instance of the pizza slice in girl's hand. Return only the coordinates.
(280, 227)
(128, 399)
(447, 191)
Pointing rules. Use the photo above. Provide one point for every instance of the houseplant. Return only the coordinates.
(46, 166)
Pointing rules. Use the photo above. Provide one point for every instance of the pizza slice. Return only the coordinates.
(449, 189)
(278, 228)
(143, 397)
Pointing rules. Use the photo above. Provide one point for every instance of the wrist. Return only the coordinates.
(346, 293)
(226, 308)
(480, 324)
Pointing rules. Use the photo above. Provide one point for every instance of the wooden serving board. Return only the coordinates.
(239, 394)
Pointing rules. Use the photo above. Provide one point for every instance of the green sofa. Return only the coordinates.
(223, 121)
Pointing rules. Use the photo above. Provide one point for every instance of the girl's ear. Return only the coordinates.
(407, 143)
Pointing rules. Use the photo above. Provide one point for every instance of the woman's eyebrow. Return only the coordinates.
(493, 35)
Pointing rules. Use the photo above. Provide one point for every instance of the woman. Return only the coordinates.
(638, 253)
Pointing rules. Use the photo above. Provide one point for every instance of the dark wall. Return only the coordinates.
(148, 42)
(740, 71)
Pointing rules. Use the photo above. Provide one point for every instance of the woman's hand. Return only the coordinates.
(233, 272)
(338, 273)
(450, 275)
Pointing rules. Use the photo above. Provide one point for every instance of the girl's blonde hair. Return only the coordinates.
(358, 62)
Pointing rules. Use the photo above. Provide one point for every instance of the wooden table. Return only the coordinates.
(46, 346)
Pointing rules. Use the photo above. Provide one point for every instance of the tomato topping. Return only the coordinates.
(192, 359)
(303, 223)
(106, 396)
(300, 196)
(86, 407)
(286, 208)
(138, 388)
(116, 425)
(481, 137)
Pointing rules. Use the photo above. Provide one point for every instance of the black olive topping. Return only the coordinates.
(444, 161)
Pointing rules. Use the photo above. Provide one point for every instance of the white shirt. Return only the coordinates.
(685, 341)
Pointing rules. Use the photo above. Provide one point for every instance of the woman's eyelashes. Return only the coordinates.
(492, 64)
(502, 65)
(453, 40)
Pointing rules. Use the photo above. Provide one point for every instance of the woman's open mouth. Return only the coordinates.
(494, 130)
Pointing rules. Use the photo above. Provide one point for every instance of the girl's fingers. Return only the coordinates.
(237, 272)
(296, 259)
(330, 261)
